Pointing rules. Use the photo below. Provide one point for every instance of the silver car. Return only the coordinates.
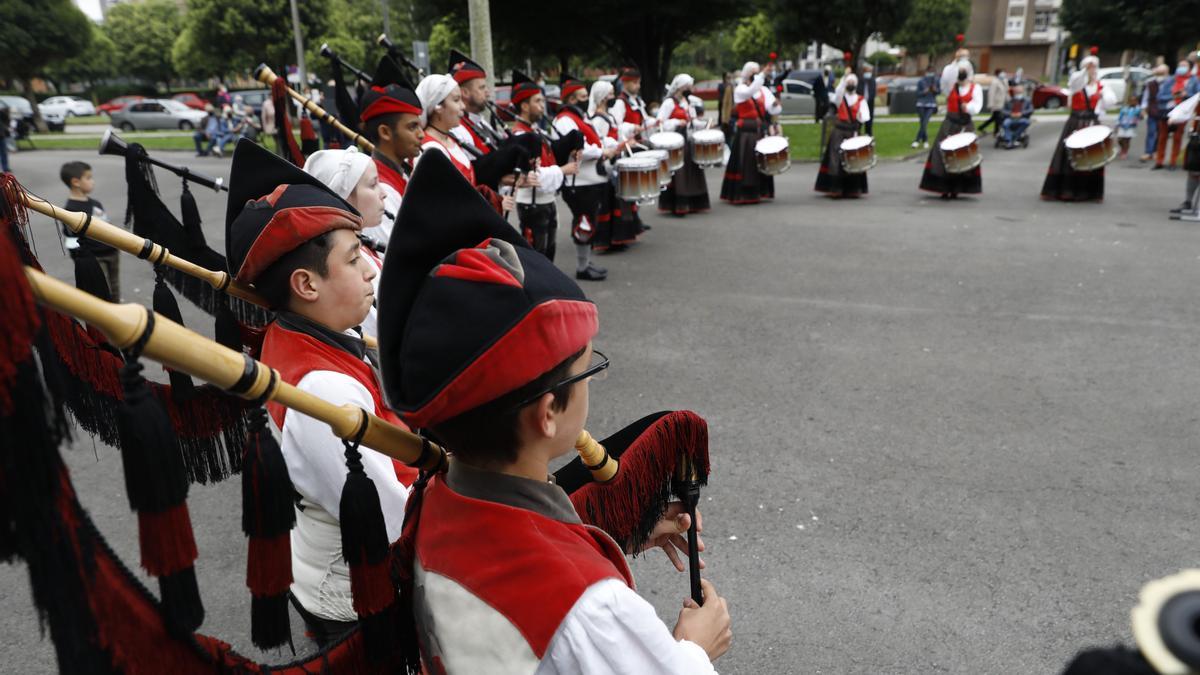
(796, 97)
(156, 113)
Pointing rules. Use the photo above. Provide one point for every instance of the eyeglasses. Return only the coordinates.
(596, 370)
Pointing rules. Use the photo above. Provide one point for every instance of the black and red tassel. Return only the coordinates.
(285, 141)
(267, 519)
(308, 136)
(182, 387)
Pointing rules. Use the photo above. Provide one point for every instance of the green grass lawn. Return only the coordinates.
(892, 139)
(88, 119)
(150, 141)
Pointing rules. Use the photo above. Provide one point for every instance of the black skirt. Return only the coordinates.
(688, 191)
(832, 176)
(591, 213)
(1063, 182)
(743, 183)
(626, 223)
(935, 178)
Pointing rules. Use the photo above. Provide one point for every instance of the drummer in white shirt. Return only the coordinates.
(688, 190)
(964, 99)
(1089, 99)
(852, 113)
(1185, 113)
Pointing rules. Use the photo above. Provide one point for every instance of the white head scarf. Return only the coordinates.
(964, 64)
(339, 169)
(749, 69)
(850, 79)
(1087, 60)
(682, 81)
(432, 91)
(600, 92)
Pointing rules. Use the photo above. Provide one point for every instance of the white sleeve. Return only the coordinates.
(864, 113)
(1077, 81)
(744, 92)
(1107, 100)
(617, 110)
(316, 458)
(463, 136)
(664, 115)
(770, 103)
(612, 629)
(1183, 112)
(550, 178)
(839, 93)
(949, 76)
(976, 102)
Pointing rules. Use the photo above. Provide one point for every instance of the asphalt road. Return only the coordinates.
(946, 436)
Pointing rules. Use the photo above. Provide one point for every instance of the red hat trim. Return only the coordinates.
(287, 230)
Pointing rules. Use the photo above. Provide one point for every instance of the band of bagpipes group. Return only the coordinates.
(483, 347)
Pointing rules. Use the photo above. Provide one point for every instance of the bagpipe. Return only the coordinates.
(280, 92)
(100, 615)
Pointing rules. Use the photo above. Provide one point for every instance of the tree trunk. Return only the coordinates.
(27, 89)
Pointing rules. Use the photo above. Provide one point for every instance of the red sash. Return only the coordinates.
(547, 158)
(956, 101)
(589, 134)
(1081, 101)
(528, 567)
(392, 177)
(475, 137)
(295, 355)
(467, 170)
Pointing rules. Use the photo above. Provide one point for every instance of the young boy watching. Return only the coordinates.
(77, 176)
(487, 344)
(296, 242)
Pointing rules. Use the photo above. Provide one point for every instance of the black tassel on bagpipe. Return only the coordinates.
(89, 276)
(157, 490)
(182, 387)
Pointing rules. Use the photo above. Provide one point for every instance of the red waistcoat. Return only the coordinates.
(632, 116)
(547, 154)
(848, 113)
(589, 134)
(956, 102)
(528, 567)
(295, 355)
(467, 170)
(752, 108)
(1081, 101)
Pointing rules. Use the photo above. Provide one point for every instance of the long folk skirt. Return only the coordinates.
(832, 177)
(935, 178)
(1062, 180)
(688, 191)
(743, 183)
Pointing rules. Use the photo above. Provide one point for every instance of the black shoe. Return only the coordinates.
(1185, 207)
(591, 274)
(646, 227)
(1157, 167)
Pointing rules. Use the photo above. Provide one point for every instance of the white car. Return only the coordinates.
(1114, 79)
(67, 106)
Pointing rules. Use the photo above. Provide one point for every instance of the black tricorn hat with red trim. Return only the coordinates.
(468, 311)
(274, 207)
(389, 72)
(522, 87)
(391, 92)
(462, 68)
(570, 84)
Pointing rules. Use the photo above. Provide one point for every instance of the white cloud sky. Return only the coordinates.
(90, 7)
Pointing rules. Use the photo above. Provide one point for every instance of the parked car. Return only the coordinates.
(112, 105)
(706, 89)
(68, 106)
(254, 99)
(157, 113)
(191, 100)
(1048, 96)
(796, 97)
(21, 111)
(1114, 79)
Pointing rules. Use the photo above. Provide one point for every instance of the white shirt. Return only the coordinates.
(627, 129)
(973, 106)
(744, 92)
(550, 179)
(1184, 112)
(1076, 84)
(316, 463)
(590, 155)
(864, 112)
(668, 124)
(451, 150)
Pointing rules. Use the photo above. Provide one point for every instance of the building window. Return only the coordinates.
(1044, 20)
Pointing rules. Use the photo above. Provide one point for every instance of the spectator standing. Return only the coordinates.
(1151, 109)
(5, 122)
(1127, 120)
(77, 176)
(997, 97)
(1170, 94)
(868, 93)
(928, 89)
(820, 98)
(268, 120)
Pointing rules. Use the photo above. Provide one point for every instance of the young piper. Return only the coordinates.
(537, 193)
(488, 345)
(391, 120)
(296, 242)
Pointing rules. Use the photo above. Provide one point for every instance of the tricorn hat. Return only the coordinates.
(462, 68)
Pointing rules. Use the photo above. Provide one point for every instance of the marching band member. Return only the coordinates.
(629, 110)
(625, 221)
(475, 132)
(1183, 116)
(391, 120)
(753, 106)
(852, 113)
(536, 194)
(1089, 100)
(296, 241)
(588, 194)
(962, 59)
(688, 191)
(964, 100)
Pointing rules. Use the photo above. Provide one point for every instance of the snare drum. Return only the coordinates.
(664, 166)
(1091, 148)
(673, 144)
(637, 179)
(858, 154)
(960, 152)
(772, 155)
(708, 147)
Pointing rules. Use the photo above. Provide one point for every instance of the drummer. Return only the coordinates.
(754, 105)
(852, 112)
(964, 100)
(626, 223)
(1089, 100)
(688, 191)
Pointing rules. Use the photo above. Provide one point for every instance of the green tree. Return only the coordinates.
(226, 36)
(448, 33)
(353, 30)
(932, 26)
(97, 62)
(1126, 24)
(38, 35)
(846, 24)
(144, 33)
(754, 38)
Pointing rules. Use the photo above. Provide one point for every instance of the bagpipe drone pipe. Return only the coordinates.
(101, 617)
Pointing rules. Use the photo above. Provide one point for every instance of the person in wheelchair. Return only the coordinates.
(1019, 110)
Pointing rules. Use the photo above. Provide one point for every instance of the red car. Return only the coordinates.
(191, 100)
(1048, 96)
(706, 89)
(118, 103)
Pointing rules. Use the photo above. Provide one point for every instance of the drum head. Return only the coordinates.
(958, 141)
(857, 143)
(771, 145)
(637, 163)
(654, 155)
(1088, 136)
(666, 140)
(708, 136)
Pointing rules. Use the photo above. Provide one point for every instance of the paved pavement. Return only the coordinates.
(946, 436)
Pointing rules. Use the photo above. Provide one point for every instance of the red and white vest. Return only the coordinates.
(632, 115)
(847, 113)
(753, 108)
(1082, 102)
(589, 134)
(390, 176)
(480, 144)
(957, 102)
(547, 157)
(493, 582)
(465, 168)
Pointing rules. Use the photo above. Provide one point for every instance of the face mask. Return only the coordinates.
(962, 76)
(866, 76)
(1181, 70)
(850, 88)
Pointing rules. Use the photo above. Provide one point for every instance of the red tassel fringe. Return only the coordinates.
(19, 321)
(166, 541)
(269, 565)
(371, 585)
(279, 96)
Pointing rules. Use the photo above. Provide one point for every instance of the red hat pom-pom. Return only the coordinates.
(772, 55)
(846, 56)
(1093, 50)
(959, 38)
